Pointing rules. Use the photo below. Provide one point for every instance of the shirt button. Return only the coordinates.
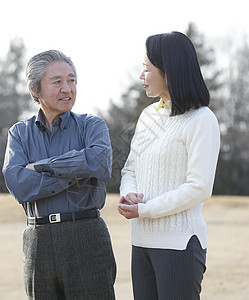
(70, 182)
(53, 192)
(59, 175)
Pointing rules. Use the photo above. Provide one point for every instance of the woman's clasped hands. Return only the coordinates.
(128, 205)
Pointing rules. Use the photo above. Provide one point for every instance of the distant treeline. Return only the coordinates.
(229, 90)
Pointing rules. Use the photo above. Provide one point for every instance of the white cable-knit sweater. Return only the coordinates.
(172, 162)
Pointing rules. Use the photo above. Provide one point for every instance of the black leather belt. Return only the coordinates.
(57, 218)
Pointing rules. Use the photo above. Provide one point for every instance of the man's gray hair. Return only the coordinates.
(36, 69)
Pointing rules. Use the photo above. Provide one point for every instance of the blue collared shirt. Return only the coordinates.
(72, 164)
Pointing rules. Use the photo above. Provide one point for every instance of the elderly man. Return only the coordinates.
(56, 166)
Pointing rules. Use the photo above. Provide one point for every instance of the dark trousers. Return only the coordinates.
(165, 274)
(69, 260)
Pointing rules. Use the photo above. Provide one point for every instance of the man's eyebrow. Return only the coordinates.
(72, 75)
(55, 77)
(58, 76)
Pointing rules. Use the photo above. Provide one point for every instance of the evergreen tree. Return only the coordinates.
(207, 61)
(14, 98)
(121, 120)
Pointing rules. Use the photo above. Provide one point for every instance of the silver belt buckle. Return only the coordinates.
(54, 218)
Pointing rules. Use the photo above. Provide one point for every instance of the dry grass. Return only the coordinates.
(227, 276)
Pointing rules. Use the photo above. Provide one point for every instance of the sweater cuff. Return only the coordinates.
(124, 192)
(141, 210)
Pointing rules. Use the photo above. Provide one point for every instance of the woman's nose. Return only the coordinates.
(142, 76)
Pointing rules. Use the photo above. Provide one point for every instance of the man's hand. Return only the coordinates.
(30, 166)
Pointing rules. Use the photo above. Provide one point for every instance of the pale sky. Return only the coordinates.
(105, 38)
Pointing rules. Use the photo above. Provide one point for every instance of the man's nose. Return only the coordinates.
(65, 87)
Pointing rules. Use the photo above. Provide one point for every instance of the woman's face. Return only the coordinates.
(154, 81)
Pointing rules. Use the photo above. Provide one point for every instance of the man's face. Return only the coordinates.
(58, 89)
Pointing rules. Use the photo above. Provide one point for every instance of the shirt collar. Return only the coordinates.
(164, 104)
(63, 120)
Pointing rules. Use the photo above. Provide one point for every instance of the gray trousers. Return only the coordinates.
(165, 274)
(69, 260)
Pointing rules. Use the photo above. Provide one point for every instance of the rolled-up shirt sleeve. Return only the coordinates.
(25, 184)
(94, 160)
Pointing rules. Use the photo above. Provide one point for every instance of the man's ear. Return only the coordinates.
(34, 93)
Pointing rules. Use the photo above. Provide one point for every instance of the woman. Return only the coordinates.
(170, 173)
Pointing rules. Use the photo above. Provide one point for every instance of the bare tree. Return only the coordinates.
(234, 157)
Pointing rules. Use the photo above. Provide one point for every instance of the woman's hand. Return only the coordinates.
(132, 198)
(128, 205)
(129, 211)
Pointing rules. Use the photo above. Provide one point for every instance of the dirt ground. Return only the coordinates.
(227, 276)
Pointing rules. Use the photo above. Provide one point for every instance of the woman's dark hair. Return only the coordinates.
(174, 54)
